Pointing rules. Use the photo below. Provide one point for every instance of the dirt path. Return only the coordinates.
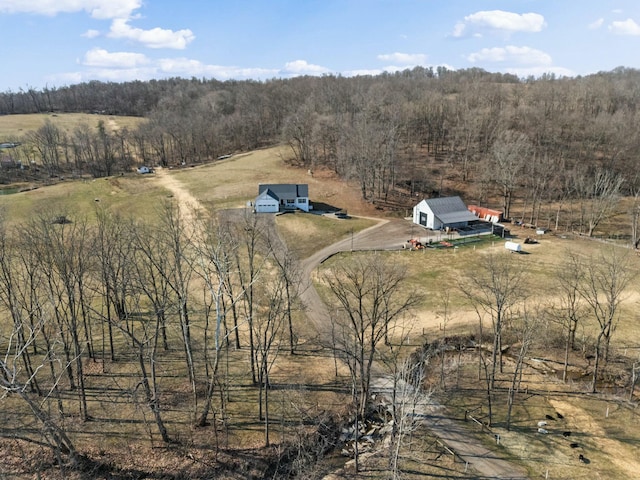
(389, 235)
(187, 203)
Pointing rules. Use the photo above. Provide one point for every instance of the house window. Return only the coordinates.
(290, 201)
(302, 200)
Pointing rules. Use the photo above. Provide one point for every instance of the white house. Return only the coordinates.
(286, 196)
(441, 213)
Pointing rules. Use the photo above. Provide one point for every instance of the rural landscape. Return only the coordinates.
(154, 323)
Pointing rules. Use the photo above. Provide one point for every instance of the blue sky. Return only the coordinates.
(60, 42)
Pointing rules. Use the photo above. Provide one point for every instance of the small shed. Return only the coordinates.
(486, 214)
(441, 213)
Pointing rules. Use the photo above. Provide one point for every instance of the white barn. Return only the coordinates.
(277, 197)
(441, 213)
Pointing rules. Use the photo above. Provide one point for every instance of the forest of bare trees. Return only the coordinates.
(563, 148)
(123, 291)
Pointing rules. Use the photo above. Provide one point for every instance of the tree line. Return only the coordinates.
(561, 147)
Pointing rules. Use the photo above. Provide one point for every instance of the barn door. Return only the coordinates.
(423, 219)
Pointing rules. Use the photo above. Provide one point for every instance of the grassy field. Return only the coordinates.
(306, 383)
(14, 127)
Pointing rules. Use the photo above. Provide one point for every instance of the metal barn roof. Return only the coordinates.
(450, 210)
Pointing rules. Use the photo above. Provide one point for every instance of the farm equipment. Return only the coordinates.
(415, 244)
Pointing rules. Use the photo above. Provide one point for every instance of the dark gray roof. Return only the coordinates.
(285, 190)
(450, 210)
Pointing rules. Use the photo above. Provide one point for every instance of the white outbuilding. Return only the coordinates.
(441, 213)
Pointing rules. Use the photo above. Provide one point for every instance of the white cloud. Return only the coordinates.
(154, 38)
(99, 57)
(121, 12)
(91, 34)
(511, 54)
(404, 58)
(626, 27)
(187, 67)
(362, 72)
(597, 24)
(100, 9)
(301, 67)
(539, 71)
(501, 21)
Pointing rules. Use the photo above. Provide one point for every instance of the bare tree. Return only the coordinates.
(145, 341)
(568, 278)
(373, 298)
(268, 327)
(409, 403)
(298, 133)
(52, 432)
(445, 301)
(115, 253)
(251, 232)
(64, 257)
(600, 192)
(14, 298)
(634, 210)
(606, 279)
(528, 325)
(509, 154)
(289, 270)
(214, 264)
(48, 141)
(176, 232)
(496, 287)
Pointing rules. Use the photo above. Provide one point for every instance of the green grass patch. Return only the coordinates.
(78, 199)
(306, 233)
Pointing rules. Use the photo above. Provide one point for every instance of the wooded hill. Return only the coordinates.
(561, 147)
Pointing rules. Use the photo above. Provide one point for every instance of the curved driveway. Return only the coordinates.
(391, 235)
(386, 235)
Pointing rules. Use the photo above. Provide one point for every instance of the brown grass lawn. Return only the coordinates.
(306, 384)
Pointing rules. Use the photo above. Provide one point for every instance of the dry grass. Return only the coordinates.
(15, 127)
(308, 233)
(608, 442)
(78, 199)
(305, 384)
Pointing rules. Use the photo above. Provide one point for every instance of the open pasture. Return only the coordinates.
(15, 127)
